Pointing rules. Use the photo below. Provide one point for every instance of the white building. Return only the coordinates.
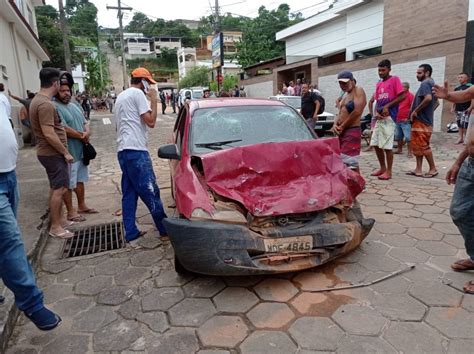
(22, 55)
(138, 47)
(166, 42)
(79, 75)
(187, 60)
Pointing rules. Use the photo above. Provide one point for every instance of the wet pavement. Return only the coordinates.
(133, 301)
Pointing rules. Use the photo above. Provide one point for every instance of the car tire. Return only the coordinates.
(179, 268)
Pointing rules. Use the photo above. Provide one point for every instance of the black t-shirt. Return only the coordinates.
(461, 107)
(307, 104)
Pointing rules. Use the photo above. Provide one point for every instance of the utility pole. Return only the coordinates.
(120, 8)
(64, 30)
(217, 26)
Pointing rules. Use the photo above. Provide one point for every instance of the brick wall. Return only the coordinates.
(414, 23)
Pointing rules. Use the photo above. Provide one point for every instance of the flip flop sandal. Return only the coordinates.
(462, 265)
(377, 173)
(88, 211)
(413, 173)
(469, 287)
(78, 218)
(430, 175)
(384, 178)
(65, 234)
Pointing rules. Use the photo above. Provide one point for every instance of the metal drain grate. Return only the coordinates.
(94, 239)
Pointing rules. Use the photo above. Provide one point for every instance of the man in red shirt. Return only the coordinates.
(403, 128)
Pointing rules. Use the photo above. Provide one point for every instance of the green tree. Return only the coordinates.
(138, 23)
(197, 76)
(51, 37)
(82, 21)
(258, 40)
(229, 82)
(227, 23)
(97, 77)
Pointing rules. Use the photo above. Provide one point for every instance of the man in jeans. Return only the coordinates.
(15, 270)
(133, 116)
(462, 174)
(403, 128)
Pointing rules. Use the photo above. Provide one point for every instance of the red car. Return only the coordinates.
(257, 192)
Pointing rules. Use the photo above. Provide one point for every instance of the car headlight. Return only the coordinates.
(231, 216)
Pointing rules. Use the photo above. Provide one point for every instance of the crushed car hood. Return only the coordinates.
(284, 177)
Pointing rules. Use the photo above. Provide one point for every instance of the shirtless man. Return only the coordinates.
(462, 175)
(348, 124)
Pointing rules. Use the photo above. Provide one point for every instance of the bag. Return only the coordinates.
(322, 102)
(89, 153)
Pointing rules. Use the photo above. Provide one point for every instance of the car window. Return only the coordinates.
(245, 125)
(197, 94)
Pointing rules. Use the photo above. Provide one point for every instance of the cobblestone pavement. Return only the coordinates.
(133, 301)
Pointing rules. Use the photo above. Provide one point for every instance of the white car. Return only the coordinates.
(325, 119)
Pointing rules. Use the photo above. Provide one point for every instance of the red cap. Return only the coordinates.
(142, 73)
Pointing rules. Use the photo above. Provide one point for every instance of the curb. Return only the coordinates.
(8, 323)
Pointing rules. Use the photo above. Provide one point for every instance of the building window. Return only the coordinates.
(19, 5)
(332, 59)
(28, 55)
(367, 53)
(144, 50)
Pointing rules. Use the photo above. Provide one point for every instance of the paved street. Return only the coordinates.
(133, 301)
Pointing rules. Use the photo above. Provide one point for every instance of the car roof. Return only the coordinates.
(232, 102)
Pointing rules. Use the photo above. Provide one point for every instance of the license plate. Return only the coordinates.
(289, 244)
(318, 126)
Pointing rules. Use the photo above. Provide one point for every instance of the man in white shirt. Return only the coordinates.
(5, 102)
(15, 270)
(133, 117)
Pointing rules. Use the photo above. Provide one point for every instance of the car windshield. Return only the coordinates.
(197, 94)
(225, 127)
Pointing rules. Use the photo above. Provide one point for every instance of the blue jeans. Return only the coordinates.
(403, 129)
(15, 270)
(462, 205)
(138, 180)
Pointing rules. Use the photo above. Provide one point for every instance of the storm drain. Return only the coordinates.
(94, 239)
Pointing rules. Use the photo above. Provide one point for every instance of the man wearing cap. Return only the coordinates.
(389, 92)
(347, 127)
(133, 116)
(77, 132)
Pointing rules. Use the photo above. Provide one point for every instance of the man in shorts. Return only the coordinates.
(347, 127)
(462, 110)
(421, 116)
(52, 148)
(388, 94)
(403, 128)
(78, 132)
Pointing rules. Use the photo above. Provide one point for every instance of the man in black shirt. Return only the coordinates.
(462, 110)
(309, 105)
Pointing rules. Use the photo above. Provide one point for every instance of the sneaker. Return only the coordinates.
(44, 319)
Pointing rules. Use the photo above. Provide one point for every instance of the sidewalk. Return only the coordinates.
(134, 301)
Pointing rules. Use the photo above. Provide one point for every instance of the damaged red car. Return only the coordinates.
(257, 192)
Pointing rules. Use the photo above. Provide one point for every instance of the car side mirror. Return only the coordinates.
(169, 151)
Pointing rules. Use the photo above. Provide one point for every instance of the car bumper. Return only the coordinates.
(215, 248)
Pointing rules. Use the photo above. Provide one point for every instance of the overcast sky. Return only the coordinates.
(194, 9)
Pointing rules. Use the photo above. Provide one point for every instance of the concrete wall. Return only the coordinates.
(259, 87)
(367, 78)
(361, 28)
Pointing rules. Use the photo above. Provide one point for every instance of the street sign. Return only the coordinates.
(218, 50)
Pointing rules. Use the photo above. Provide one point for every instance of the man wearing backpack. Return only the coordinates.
(312, 104)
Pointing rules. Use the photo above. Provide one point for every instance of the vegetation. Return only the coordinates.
(197, 76)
